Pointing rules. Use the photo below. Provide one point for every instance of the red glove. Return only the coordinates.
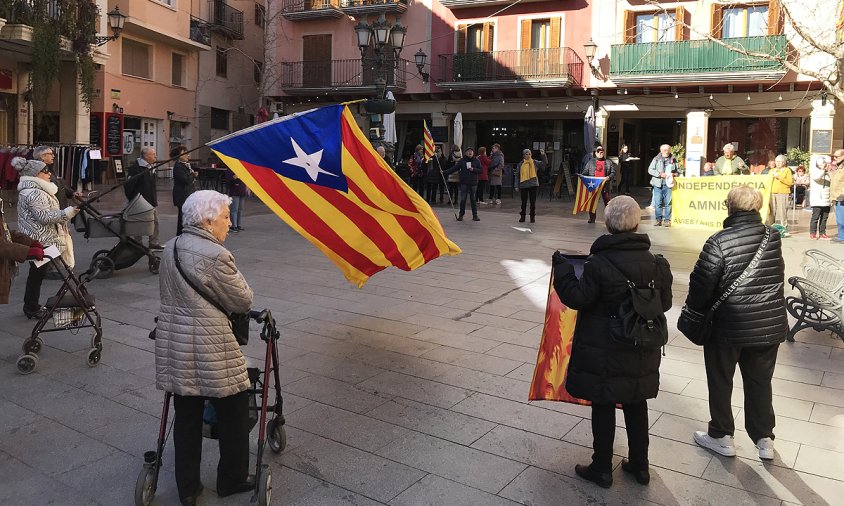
(36, 244)
(35, 253)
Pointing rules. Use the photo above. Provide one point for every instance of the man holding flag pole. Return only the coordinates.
(593, 182)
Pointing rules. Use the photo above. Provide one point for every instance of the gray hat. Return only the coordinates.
(28, 167)
(467, 149)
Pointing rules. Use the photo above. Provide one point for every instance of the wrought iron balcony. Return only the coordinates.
(524, 68)
(200, 31)
(225, 19)
(697, 60)
(310, 9)
(349, 76)
(76, 23)
(375, 7)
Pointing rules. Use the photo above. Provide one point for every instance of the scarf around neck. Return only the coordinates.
(527, 171)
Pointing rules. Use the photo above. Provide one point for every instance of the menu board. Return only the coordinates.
(114, 134)
(96, 130)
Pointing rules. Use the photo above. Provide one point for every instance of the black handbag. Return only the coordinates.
(697, 326)
(239, 321)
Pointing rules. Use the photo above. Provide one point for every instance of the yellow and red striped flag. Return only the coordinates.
(318, 172)
(588, 190)
(428, 141)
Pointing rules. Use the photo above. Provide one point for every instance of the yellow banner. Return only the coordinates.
(700, 201)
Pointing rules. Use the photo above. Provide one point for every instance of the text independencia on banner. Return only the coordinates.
(700, 201)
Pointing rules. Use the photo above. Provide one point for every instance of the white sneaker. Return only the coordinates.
(722, 446)
(497, 201)
(766, 448)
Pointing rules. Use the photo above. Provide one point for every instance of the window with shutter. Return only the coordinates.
(526, 32)
(489, 37)
(681, 31)
(177, 68)
(717, 20)
(135, 59)
(556, 29)
(655, 27)
(475, 38)
(461, 39)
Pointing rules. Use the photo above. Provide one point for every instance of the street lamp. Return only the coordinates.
(420, 58)
(376, 36)
(115, 22)
(589, 49)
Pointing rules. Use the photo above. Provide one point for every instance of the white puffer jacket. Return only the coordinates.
(40, 218)
(819, 187)
(195, 350)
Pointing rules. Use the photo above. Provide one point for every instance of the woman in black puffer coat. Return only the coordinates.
(601, 370)
(747, 328)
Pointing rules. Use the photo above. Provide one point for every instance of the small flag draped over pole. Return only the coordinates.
(428, 140)
(588, 191)
(318, 172)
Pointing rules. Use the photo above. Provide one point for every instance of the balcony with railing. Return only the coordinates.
(200, 31)
(373, 7)
(225, 19)
(698, 60)
(303, 10)
(523, 68)
(76, 26)
(349, 76)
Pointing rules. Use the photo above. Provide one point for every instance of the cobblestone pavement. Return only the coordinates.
(412, 390)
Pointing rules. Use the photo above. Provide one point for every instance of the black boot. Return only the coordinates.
(643, 476)
(603, 480)
(522, 219)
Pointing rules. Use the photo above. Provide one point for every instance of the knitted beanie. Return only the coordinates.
(28, 167)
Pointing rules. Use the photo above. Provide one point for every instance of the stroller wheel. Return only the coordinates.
(154, 264)
(144, 492)
(265, 488)
(32, 346)
(276, 435)
(94, 356)
(102, 252)
(102, 267)
(27, 363)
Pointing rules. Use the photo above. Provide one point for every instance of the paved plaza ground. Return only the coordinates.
(412, 390)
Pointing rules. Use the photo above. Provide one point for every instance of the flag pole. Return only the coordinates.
(442, 176)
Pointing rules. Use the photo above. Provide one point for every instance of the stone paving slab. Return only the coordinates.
(412, 390)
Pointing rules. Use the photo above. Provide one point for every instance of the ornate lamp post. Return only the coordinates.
(115, 22)
(376, 36)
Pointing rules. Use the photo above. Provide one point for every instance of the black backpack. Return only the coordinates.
(640, 321)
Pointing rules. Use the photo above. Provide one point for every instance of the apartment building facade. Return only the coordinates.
(62, 115)
(675, 73)
(509, 70)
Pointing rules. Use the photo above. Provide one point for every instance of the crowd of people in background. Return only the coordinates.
(443, 175)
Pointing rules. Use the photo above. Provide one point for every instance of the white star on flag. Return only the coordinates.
(591, 184)
(309, 162)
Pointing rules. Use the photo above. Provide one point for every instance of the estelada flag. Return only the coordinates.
(552, 361)
(588, 191)
(428, 140)
(319, 173)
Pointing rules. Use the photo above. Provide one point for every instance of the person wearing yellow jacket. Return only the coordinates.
(783, 179)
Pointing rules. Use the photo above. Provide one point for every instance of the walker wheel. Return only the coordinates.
(27, 363)
(276, 435)
(32, 346)
(144, 493)
(265, 488)
(94, 356)
(154, 264)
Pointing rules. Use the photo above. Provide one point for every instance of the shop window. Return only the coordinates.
(751, 21)
(136, 59)
(219, 119)
(260, 15)
(178, 69)
(222, 62)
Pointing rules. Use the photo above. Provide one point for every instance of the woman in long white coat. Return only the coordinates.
(819, 197)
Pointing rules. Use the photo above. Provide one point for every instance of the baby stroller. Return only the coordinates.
(71, 309)
(136, 219)
(272, 430)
